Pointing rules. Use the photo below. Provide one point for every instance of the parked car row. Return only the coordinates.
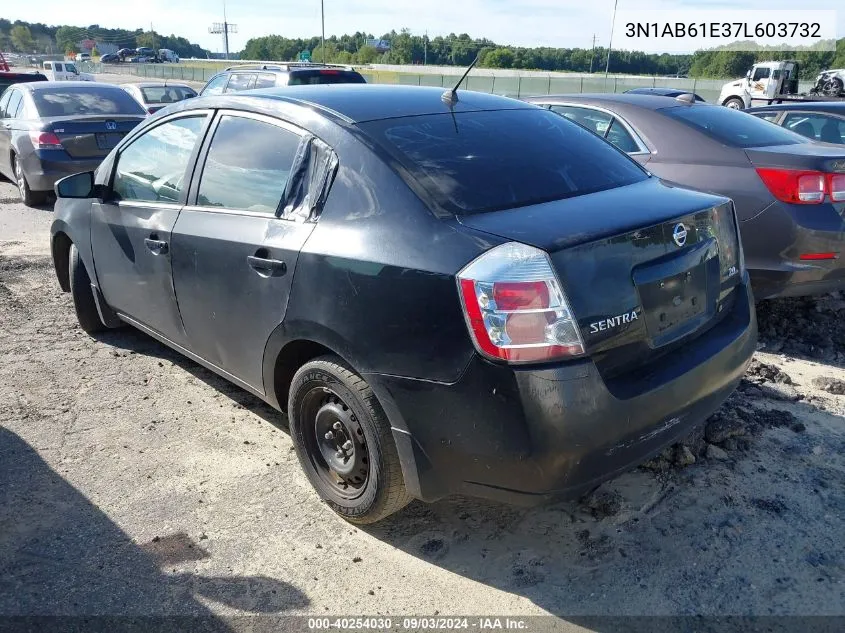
(449, 292)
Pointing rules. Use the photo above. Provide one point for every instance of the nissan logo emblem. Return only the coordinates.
(111, 125)
(679, 234)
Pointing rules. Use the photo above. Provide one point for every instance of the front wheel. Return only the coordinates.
(83, 294)
(734, 104)
(833, 88)
(344, 442)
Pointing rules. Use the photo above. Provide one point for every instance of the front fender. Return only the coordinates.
(73, 218)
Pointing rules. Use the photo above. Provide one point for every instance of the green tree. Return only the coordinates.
(67, 38)
(150, 39)
(22, 39)
(95, 52)
(367, 55)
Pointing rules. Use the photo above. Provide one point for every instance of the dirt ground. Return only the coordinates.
(135, 482)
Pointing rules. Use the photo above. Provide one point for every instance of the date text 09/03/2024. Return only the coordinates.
(418, 623)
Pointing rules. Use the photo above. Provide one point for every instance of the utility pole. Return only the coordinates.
(225, 28)
(425, 48)
(323, 36)
(593, 53)
(610, 45)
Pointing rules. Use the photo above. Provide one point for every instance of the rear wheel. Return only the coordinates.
(29, 197)
(833, 88)
(734, 104)
(344, 442)
(83, 294)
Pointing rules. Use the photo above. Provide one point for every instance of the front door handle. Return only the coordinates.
(267, 267)
(156, 247)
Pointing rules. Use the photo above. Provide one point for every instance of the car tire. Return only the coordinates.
(29, 197)
(327, 398)
(734, 104)
(83, 294)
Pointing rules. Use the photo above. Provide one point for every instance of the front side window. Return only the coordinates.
(471, 162)
(216, 85)
(240, 81)
(153, 167)
(247, 166)
(761, 73)
(71, 68)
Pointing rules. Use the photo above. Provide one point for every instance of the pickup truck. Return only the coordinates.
(64, 71)
(768, 82)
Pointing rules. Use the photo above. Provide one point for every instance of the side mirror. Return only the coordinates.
(748, 75)
(76, 186)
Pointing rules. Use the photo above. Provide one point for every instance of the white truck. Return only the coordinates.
(167, 55)
(64, 71)
(768, 82)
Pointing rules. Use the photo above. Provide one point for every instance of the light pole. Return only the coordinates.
(323, 36)
(610, 45)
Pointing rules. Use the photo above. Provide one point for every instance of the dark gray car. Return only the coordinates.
(51, 129)
(789, 192)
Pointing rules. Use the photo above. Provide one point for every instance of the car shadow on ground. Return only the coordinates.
(135, 341)
(755, 534)
(61, 555)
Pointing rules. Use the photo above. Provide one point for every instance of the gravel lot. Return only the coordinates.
(133, 481)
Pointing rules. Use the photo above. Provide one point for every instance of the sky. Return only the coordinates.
(556, 23)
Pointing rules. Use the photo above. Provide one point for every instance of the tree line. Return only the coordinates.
(460, 50)
(26, 37)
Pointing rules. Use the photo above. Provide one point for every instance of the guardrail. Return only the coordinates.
(509, 86)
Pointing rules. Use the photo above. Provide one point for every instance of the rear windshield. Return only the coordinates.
(328, 76)
(472, 162)
(85, 100)
(732, 127)
(167, 94)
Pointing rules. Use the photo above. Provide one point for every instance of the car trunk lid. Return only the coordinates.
(642, 272)
(92, 136)
(810, 156)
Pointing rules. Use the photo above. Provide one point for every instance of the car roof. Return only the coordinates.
(645, 101)
(47, 85)
(157, 84)
(356, 103)
(834, 107)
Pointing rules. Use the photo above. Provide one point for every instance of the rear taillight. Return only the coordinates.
(731, 258)
(515, 307)
(45, 140)
(837, 187)
(803, 187)
(329, 72)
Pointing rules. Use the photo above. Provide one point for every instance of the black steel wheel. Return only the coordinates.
(344, 442)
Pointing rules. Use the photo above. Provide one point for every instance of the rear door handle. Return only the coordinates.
(156, 247)
(267, 267)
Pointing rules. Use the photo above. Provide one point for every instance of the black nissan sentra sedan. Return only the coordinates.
(473, 296)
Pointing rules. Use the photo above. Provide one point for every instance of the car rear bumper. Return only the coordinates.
(776, 240)
(44, 168)
(525, 435)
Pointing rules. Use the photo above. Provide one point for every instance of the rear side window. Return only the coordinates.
(247, 166)
(13, 105)
(732, 127)
(325, 76)
(766, 116)
(240, 81)
(166, 94)
(265, 80)
(153, 167)
(593, 120)
(471, 162)
(63, 101)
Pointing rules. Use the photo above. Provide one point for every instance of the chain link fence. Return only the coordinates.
(510, 86)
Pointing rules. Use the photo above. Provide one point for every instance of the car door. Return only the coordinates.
(609, 126)
(235, 247)
(6, 133)
(131, 228)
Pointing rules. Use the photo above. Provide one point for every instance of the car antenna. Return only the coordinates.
(450, 97)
